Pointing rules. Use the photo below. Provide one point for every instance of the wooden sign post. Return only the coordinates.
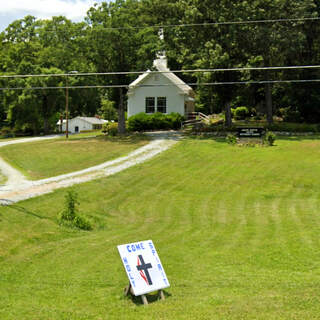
(144, 269)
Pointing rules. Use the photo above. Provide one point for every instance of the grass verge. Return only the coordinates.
(48, 158)
(237, 230)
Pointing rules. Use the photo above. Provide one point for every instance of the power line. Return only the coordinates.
(157, 72)
(207, 24)
(165, 85)
(217, 23)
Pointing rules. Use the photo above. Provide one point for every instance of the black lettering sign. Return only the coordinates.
(250, 132)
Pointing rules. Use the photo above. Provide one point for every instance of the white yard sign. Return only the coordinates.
(143, 267)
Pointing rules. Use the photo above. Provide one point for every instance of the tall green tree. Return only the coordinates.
(124, 49)
(30, 46)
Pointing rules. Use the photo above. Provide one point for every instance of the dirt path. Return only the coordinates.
(19, 188)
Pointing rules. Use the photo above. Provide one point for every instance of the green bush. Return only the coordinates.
(219, 128)
(290, 114)
(110, 128)
(241, 113)
(69, 216)
(293, 127)
(231, 139)
(175, 119)
(159, 121)
(7, 132)
(113, 129)
(270, 138)
(276, 126)
(156, 121)
(81, 222)
(70, 208)
(139, 122)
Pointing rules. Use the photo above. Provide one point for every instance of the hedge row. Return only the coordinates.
(278, 127)
(155, 121)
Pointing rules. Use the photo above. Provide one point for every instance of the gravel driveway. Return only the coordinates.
(18, 188)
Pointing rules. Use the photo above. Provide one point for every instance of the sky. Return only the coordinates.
(74, 10)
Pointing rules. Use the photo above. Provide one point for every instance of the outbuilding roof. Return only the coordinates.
(91, 120)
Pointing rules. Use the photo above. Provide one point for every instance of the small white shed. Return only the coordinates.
(78, 124)
(160, 92)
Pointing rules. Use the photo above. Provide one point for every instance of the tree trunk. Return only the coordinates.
(121, 117)
(268, 97)
(34, 128)
(45, 125)
(228, 121)
(45, 115)
(211, 100)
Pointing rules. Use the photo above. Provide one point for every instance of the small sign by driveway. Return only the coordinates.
(143, 267)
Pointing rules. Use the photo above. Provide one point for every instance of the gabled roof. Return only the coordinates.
(92, 120)
(161, 65)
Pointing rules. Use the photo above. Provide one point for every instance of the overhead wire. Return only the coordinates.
(164, 85)
(177, 71)
(158, 72)
(184, 25)
(208, 24)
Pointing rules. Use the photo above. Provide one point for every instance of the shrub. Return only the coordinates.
(270, 138)
(7, 132)
(290, 114)
(113, 129)
(217, 128)
(156, 121)
(175, 119)
(81, 222)
(138, 122)
(293, 127)
(110, 128)
(70, 210)
(231, 139)
(69, 216)
(241, 113)
(159, 121)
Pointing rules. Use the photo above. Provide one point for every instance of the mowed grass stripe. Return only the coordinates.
(44, 159)
(220, 218)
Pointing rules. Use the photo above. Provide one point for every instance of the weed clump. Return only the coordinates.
(231, 139)
(270, 138)
(69, 216)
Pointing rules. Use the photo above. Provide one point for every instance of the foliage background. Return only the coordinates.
(58, 45)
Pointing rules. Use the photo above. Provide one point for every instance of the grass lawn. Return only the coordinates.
(237, 230)
(48, 158)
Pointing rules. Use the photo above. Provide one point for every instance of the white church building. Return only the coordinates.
(160, 92)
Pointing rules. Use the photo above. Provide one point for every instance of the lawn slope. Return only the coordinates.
(237, 230)
(44, 159)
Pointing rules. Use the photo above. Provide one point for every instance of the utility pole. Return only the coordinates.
(67, 108)
(67, 103)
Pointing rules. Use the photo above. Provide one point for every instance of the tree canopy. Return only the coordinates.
(120, 36)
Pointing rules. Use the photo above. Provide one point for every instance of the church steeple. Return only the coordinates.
(161, 59)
